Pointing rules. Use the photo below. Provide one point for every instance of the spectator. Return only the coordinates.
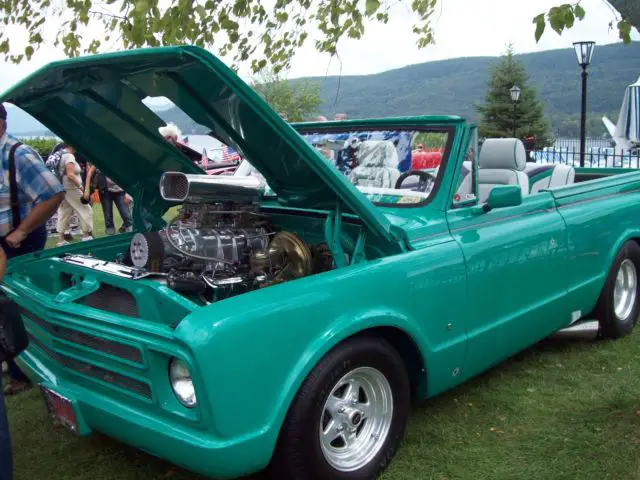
(23, 222)
(6, 461)
(52, 223)
(72, 182)
(171, 133)
(110, 193)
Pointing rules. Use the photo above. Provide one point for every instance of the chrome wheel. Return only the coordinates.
(625, 290)
(356, 419)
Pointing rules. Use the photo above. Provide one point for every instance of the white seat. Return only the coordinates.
(543, 176)
(501, 162)
(377, 164)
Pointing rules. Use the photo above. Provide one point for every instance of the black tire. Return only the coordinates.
(298, 454)
(611, 326)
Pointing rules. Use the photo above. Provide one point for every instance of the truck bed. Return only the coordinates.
(585, 174)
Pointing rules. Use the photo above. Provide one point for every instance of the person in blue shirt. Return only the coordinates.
(6, 460)
(39, 193)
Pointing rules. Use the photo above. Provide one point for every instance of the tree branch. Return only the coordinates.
(629, 9)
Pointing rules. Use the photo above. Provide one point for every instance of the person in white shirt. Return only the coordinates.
(72, 181)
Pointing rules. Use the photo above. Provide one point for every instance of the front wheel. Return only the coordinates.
(348, 418)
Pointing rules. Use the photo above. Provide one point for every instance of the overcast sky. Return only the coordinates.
(462, 28)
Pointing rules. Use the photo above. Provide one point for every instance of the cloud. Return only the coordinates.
(462, 28)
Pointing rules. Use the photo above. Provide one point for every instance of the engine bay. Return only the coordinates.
(214, 247)
(213, 251)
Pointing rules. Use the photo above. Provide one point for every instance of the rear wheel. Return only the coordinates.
(348, 418)
(618, 308)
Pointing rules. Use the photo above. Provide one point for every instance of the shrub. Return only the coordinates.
(42, 145)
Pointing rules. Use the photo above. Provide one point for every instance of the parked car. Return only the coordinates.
(285, 319)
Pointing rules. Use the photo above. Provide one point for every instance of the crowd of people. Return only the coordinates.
(85, 185)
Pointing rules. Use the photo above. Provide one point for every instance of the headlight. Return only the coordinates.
(182, 383)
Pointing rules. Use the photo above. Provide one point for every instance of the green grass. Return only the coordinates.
(560, 410)
(98, 225)
(557, 411)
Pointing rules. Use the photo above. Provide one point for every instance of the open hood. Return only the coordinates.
(95, 103)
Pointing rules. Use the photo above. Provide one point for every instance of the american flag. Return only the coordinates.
(229, 154)
(204, 160)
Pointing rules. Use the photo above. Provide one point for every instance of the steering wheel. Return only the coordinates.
(425, 184)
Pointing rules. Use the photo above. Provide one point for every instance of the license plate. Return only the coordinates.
(60, 409)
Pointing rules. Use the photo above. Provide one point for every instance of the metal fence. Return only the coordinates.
(591, 142)
(599, 153)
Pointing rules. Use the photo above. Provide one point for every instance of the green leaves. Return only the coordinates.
(541, 24)
(564, 16)
(257, 33)
(624, 29)
(371, 7)
(229, 24)
(569, 18)
(561, 17)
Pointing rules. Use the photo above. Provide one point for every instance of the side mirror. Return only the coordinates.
(505, 196)
(502, 196)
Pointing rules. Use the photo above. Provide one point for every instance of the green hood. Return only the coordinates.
(95, 104)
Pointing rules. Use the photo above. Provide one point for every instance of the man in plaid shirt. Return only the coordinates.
(39, 194)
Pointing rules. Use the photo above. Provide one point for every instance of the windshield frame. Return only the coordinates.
(450, 130)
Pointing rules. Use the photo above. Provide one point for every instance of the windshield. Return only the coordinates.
(388, 166)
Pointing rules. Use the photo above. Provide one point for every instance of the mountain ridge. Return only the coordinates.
(453, 86)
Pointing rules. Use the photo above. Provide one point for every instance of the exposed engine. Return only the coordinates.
(217, 247)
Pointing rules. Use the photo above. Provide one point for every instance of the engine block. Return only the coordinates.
(216, 250)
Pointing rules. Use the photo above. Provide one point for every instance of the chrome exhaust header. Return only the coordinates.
(189, 188)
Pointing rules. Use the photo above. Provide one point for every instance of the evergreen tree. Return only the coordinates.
(498, 115)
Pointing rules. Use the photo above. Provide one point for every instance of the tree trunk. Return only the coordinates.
(629, 9)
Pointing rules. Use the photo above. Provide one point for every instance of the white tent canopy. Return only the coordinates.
(628, 126)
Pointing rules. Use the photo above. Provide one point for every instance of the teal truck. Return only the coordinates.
(284, 317)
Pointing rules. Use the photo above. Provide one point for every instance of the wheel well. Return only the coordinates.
(406, 348)
(608, 268)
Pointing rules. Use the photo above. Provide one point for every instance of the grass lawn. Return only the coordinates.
(98, 225)
(560, 410)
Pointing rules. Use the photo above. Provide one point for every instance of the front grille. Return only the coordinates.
(94, 371)
(112, 299)
(110, 347)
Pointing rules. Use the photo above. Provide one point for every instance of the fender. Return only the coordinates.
(289, 327)
(628, 234)
(343, 329)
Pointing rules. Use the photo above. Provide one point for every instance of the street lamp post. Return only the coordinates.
(584, 52)
(515, 96)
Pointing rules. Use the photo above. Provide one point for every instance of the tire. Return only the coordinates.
(618, 305)
(373, 365)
